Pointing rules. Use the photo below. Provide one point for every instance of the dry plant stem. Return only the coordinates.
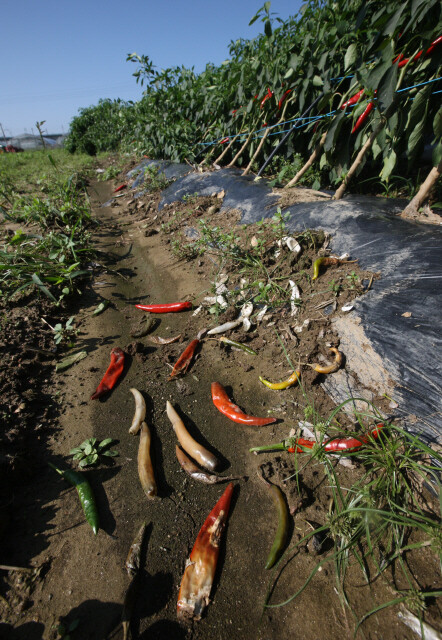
(412, 208)
(340, 192)
(221, 156)
(309, 162)
(249, 166)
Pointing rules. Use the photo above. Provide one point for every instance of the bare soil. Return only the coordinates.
(70, 574)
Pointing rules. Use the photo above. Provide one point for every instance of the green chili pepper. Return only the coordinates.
(85, 494)
(238, 345)
(283, 524)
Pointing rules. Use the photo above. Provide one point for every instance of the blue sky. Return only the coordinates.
(59, 56)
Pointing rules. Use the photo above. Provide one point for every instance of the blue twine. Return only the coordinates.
(308, 119)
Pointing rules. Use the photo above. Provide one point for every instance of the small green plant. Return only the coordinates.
(64, 333)
(89, 452)
(155, 179)
(191, 198)
(111, 172)
(335, 287)
(353, 280)
(64, 630)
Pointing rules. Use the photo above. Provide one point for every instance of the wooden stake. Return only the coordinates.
(242, 149)
(340, 192)
(220, 157)
(411, 210)
(249, 166)
(309, 162)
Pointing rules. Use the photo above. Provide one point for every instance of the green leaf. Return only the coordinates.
(268, 28)
(389, 165)
(317, 81)
(333, 132)
(350, 56)
(112, 453)
(437, 124)
(391, 25)
(387, 88)
(88, 449)
(70, 360)
(105, 443)
(437, 154)
(418, 107)
(42, 287)
(76, 450)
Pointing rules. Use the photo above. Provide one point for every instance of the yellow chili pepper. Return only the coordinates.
(294, 378)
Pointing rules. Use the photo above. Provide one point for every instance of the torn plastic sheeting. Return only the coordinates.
(407, 255)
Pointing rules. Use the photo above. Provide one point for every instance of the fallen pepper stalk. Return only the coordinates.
(112, 374)
(346, 444)
(171, 307)
(228, 408)
(199, 573)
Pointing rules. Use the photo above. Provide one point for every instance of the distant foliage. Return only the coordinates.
(330, 51)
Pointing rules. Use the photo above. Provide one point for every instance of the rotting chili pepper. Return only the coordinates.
(346, 444)
(160, 340)
(198, 474)
(283, 97)
(326, 262)
(183, 362)
(85, 494)
(112, 374)
(237, 345)
(331, 368)
(354, 99)
(199, 453)
(172, 307)
(120, 188)
(228, 408)
(293, 379)
(199, 573)
(363, 117)
(281, 534)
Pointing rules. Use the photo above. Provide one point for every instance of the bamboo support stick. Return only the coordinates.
(251, 134)
(340, 192)
(411, 210)
(221, 156)
(249, 166)
(309, 162)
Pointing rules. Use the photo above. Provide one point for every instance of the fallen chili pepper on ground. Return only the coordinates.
(228, 408)
(331, 368)
(112, 374)
(172, 307)
(293, 379)
(326, 262)
(197, 580)
(237, 345)
(85, 493)
(120, 188)
(346, 444)
(183, 362)
(281, 534)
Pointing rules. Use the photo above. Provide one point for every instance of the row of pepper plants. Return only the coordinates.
(372, 73)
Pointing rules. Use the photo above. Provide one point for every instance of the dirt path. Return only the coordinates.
(83, 576)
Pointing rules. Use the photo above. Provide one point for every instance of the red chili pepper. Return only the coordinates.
(333, 445)
(122, 186)
(266, 97)
(363, 117)
(200, 568)
(224, 140)
(232, 411)
(284, 96)
(112, 374)
(419, 54)
(165, 308)
(183, 362)
(354, 99)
